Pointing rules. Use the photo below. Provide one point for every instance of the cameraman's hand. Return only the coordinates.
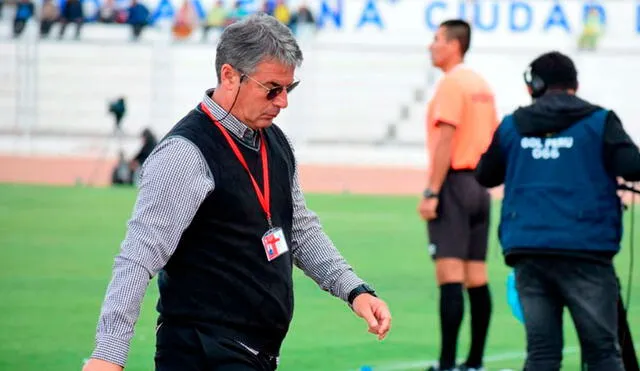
(100, 365)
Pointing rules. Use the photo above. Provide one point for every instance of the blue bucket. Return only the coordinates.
(512, 297)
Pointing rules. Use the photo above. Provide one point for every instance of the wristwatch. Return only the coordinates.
(429, 194)
(362, 289)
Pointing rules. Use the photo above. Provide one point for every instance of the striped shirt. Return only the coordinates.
(175, 180)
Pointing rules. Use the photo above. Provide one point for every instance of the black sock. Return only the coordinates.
(480, 302)
(451, 311)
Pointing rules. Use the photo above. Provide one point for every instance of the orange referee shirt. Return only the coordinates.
(465, 100)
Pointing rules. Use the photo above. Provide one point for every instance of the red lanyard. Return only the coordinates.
(263, 198)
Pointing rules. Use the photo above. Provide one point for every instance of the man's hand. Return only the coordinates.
(427, 208)
(375, 312)
(100, 365)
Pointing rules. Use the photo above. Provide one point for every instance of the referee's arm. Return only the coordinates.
(441, 162)
(491, 168)
(448, 115)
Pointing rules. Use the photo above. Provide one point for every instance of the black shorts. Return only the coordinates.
(461, 229)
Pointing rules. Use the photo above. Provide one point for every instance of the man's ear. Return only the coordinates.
(229, 78)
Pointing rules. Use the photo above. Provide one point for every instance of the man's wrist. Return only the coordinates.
(111, 349)
(361, 289)
(429, 193)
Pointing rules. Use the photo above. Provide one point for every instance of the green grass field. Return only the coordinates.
(57, 247)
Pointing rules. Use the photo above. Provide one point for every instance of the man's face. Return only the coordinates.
(253, 106)
(441, 49)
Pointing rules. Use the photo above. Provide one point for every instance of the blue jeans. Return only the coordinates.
(589, 290)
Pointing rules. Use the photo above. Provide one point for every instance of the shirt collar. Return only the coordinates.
(230, 122)
(458, 66)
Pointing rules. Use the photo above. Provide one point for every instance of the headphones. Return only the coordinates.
(534, 82)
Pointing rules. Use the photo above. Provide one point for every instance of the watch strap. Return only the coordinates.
(361, 289)
(429, 194)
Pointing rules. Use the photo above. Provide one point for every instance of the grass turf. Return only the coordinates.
(56, 251)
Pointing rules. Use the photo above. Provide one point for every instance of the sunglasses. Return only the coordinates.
(272, 93)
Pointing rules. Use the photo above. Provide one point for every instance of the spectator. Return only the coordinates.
(592, 31)
(49, 16)
(237, 13)
(138, 18)
(185, 21)
(71, 13)
(24, 12)
(215, 19)
(282, 13)
(108, 12)
(303, 23)
(269, 7)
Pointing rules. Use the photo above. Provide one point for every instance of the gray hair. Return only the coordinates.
(258, 37)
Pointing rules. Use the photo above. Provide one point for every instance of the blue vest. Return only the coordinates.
(557, 193)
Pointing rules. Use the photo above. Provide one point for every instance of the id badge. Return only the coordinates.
(274, 243)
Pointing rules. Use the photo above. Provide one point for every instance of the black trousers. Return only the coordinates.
(589, 290)
(186, 348)
(18, 26)
(136, 30)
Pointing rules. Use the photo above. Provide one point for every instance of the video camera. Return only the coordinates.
(118, 109)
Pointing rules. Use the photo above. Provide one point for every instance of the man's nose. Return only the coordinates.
(281, 100)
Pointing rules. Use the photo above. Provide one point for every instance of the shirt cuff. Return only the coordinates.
(111, 349)
(347, 282)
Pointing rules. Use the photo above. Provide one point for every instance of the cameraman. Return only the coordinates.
(149, 143)
(561, 219)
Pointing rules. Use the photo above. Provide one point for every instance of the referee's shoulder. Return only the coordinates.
(465, 78)
(450, 79)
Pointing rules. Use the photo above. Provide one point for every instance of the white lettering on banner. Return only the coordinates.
(547, 149)
(497, 23)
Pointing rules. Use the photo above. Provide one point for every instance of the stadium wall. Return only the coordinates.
(361, 103)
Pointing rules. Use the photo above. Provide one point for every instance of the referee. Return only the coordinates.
(461, 119)
(221, 218)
